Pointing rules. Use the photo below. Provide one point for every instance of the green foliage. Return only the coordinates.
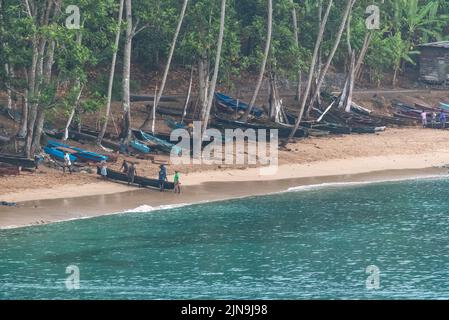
(404, 24)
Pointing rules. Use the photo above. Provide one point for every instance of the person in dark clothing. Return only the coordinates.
(132, 171)
(443, 119)
(162, 177)
(125, 167)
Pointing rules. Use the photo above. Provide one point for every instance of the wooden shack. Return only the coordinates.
(434, 63)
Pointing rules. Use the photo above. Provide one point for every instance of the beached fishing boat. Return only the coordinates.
(148, 98)
(159, 144)
(140, 181)
(81, 136)
(228, 104)
(54, 133)
(58, 154)
(82, 155)
(284, 130)
(140, 147)
(18, 161)
(444, 106)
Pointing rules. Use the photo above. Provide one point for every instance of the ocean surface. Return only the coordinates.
(325, 242)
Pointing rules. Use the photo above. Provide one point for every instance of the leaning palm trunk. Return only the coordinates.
(264, 61)
(362, 55)
(72, 113)
(167, 67)
(312, 69)
(213, 83)
(350, 4)
(111, 75)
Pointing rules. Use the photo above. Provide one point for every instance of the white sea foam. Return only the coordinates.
(357, 183)
(148, 208)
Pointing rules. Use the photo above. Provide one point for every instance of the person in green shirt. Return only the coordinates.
(177, 183)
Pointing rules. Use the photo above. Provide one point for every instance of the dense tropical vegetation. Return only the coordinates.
(47, 62)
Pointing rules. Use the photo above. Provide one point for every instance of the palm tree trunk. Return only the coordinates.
(126, 124)
(350, 83)
(167, 66)
(72, 114)
(296, 39)
(24, 120)
(312, 69)
(111, 75)
(362, 55)
(264, 61)
(349, 5)
(188, 97)
(213, 83)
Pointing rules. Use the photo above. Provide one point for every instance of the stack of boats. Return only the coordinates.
(142, 143)
(334, 121)
(57, 151)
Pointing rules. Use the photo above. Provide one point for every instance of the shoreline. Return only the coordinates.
(127, 200)
(313, 169)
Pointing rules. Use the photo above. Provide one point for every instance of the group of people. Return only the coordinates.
(130, 170)
(441, 117)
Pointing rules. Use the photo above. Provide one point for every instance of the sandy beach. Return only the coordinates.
(395, 154)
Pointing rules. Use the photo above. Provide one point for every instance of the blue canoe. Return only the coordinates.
(58, 154)
(139, 146)
(231, 103)
(83, 155)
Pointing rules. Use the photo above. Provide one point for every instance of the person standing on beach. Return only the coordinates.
(434, 120)
(162, 177)
(104, 170)
(443, 119)
(125, 167)
(67, 163)
(177, 183)
(132, 171)
(424, 119)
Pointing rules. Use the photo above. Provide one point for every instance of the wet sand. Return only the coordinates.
(56, 210)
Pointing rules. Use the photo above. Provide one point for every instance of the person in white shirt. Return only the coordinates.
(67, 163)
(424, 119)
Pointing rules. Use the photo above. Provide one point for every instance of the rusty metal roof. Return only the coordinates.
(441, 44)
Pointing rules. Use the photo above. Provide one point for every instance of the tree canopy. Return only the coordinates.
(47, 63)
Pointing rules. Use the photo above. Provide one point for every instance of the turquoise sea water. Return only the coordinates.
(298, 245)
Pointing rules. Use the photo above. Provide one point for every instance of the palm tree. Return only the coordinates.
(167, 66)
(264, 61)
(111, 75)
(213, 83)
